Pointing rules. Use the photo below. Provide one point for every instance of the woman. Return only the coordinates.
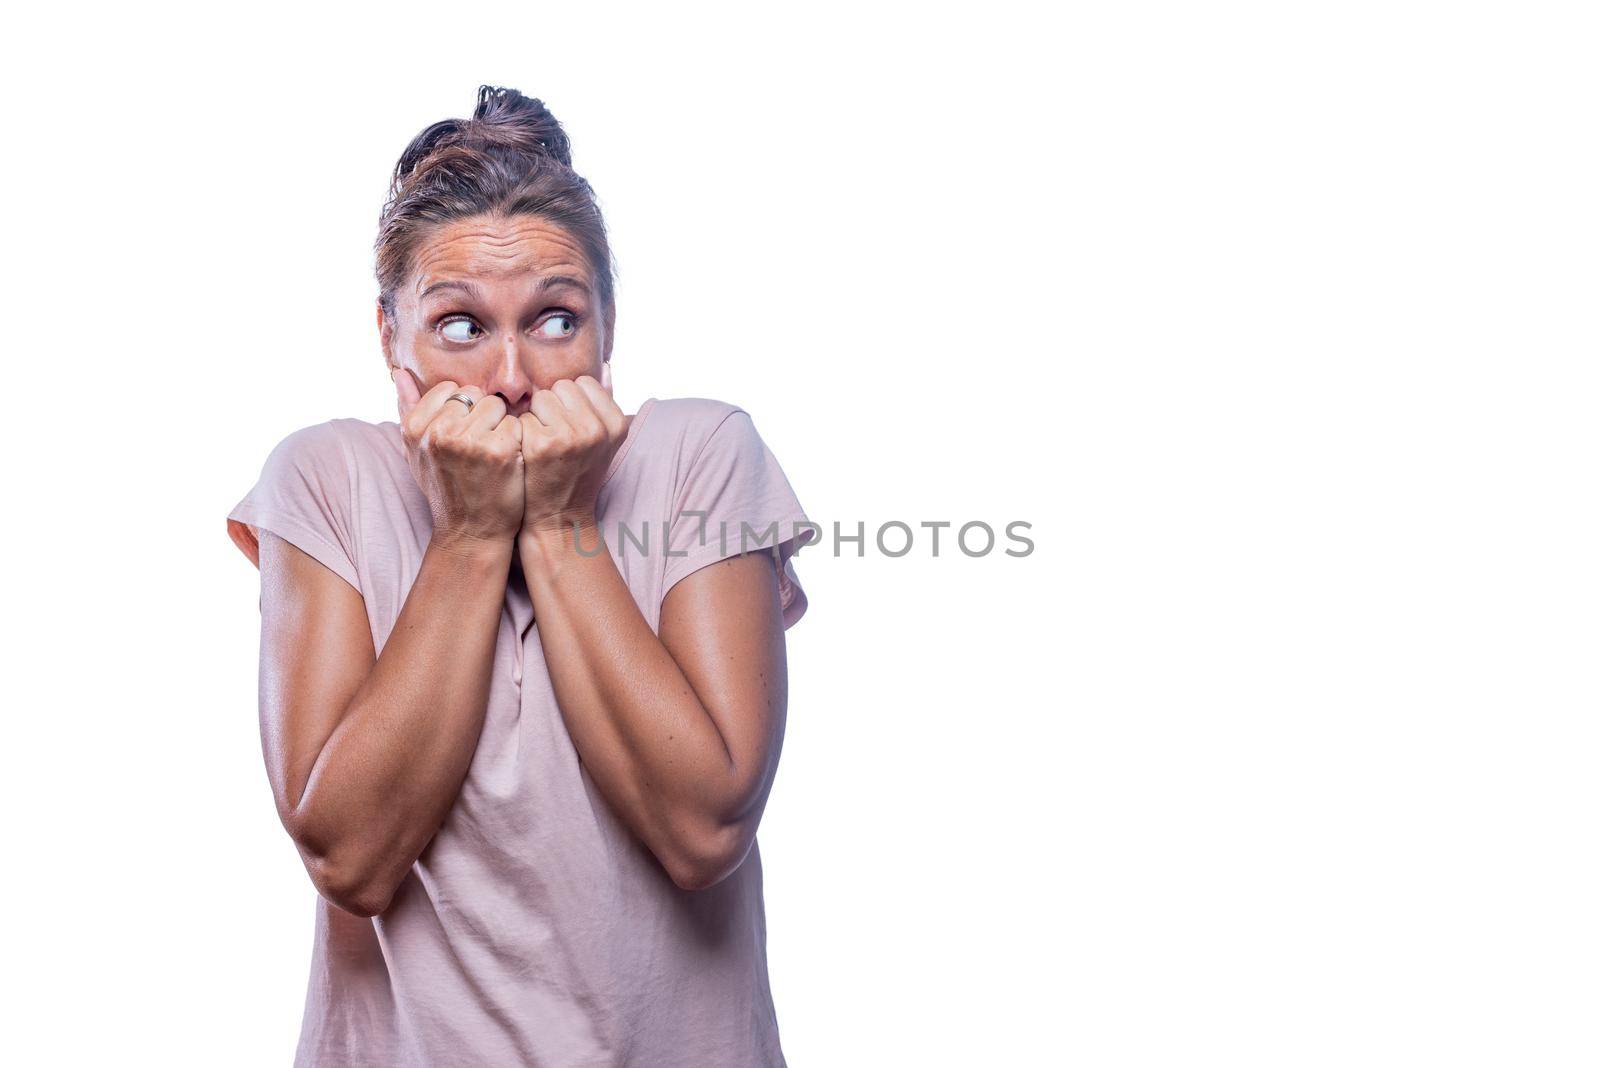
(524, 771)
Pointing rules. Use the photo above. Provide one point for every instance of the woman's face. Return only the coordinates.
(507, 304)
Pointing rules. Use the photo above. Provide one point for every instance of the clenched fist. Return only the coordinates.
(467, 463)
(568, 440)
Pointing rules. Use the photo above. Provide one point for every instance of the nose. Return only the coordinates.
(510, 378)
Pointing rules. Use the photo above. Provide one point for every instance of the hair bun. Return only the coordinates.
(504, 118)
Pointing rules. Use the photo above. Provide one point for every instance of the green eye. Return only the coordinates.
(563, 318)
(459, 329)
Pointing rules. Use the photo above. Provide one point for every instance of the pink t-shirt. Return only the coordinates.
(535, 928)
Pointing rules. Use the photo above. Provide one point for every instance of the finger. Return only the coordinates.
(455, 413)
(580, 413)
(532, 433)
(548, 411)
(406, 390)
(616, 423)
(510, 427)
(423, 412)
(485, 415)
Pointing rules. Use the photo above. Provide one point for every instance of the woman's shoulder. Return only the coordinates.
(688, 422)
(691, 411)
(700, 444)
(342, 442)
(671, 436)
(310, 492)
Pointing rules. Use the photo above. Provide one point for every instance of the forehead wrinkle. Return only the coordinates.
(498, 234)
(494, 249)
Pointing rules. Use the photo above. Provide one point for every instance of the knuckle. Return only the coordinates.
(441, 436)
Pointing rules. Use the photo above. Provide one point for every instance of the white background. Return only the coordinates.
(1276, 321)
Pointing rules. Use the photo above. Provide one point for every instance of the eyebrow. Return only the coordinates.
(549, 281)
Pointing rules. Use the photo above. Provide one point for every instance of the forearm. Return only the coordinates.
(386, 777)
(643, 733)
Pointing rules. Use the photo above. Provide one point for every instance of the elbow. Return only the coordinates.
(356, 892)
(701, 860)
(347, 881)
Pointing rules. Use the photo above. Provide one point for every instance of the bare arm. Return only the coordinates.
(367, 754)
(681, 732)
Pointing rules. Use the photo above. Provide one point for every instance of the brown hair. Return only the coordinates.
(511, 158)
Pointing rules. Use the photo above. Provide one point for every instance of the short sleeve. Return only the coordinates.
(304, 497)
(736, 500)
